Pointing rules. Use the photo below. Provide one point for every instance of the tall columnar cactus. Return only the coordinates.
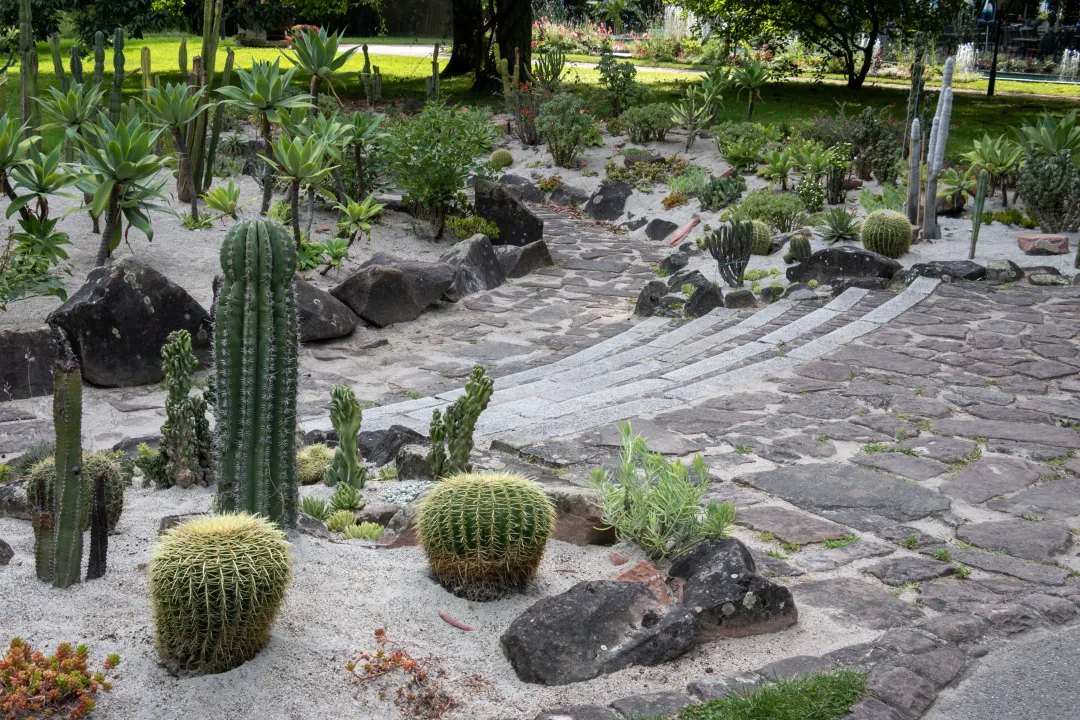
(452, 433)
(799, 247)
(146, 72)
(977, 210)
(215, 130)
(216, 586)
(75, 62)
(762, 237)
(182, 60)
(116, 97)
(185, 438)
(432, 81)
(371, 79)
(914, 172)
(346, 416)
(99, 57)
(935, 151)
(59, 513)
(255, 356)
(212, 10)
(99, 527)
(484, 535)
(27, 67)
(58, 62)
(114, 465)
(731, 246)
(918, 67)
(886, 232)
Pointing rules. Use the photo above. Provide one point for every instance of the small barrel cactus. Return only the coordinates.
(502, 158)
(485, 534)
(216, 585)
(116, 466)
(762, 238)
(799, 248)
(886, 232)
(313, 462)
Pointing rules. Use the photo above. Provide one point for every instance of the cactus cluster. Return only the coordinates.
(935, 151)
(255, 360)
(313, 461)
(346, 416)
(762, 237)
(116, 97)
(886, 232)
(502, 158)
(452, 432)
(113, 466)
(798, 249)
(731, 245)
(371, 79)
(485, 534)
(216, 586)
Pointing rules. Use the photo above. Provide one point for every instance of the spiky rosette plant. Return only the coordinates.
(485, 534)
(216, 586)
(762, 238)
(886, 232)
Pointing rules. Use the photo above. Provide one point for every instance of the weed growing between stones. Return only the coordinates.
(410, 684)
(825, 696)
(942, 554)
(843, 542)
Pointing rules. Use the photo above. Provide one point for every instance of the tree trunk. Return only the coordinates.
(10, 192)
(184, 177)
(855, 80)
(997, 43)
(513, 32)
(468, 38)
(268, 180)
(112, 226)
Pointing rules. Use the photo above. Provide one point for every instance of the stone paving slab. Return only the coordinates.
(1058, 499)
(916, 468)
(1020, 432)
(833, 558)
(1019, 538)
(1013, 567)
(790, 526)
(857, 602)
(989, 477)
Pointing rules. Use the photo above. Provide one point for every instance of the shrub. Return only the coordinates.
(642, 175)
(485, 534)
(501, 158)
(312, 462)
(777, 168)
(1051, 190)
(721, 192)
(730, 131)
(38, 685)
(743, 155)
(115, 464)
(811, 194)
(565, 125)
(617, 83)
(549, 184)
(762, 238)
(655, 503)
(886, 232)
(615, 126)
(691, 182)
(783, 213)
(875, 136)
(648, 122)
(216, 586)
(465, 227)
(891, 198)
(839, 224)
(826, 696)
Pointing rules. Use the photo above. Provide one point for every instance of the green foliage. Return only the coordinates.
(37, 684)
(216, 586)
(465, 227)
(642, 175)
(356, 217)
(1047, 138)
(452, 433)
(762, 237)
(691, 182)
(346, 497)
(750, 78)
(339, 520)
(942, 555)
(484, 535)
(977, 210)
(186, 445)
(501, 158)
(346, 417)
(997, 156)
(783, 213)
(891, 198)
(655, 503)
(316, 53)
(812, 160)
(827, 696)
(886, 232)
(565, 125)
(839, 224)
(549, 184)
(732, 131)
(811, 194)
(225, 200)
(777, 168)
(617, 84)
(28, 262)
(116, 466)
(1050, 187)
(315, 507)
(799, 248)
(956, 186)
(721, 192)
(312, 463)
(645, 123)
(743, 155)
(255, 373)
(695, 112)
(299, 162)
(731, 245)
(1012, 216)
(363, 531)
(265, 91)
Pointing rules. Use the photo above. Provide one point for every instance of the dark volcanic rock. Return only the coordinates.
(381, 446)
(570, 195)
(839, 262)
(518, 225)
(27, 358)
(6, 553)
(119, 320)
(740, 299)
(519, 261)
(608, 201)
(674, 262)
(706, 298)
(387, 290)
(658, 229)
(594, 628)
(321, 316)
(650, 298)
(955, 269)
(527, 188)
(476, 267)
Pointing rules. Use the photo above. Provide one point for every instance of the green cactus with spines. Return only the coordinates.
(313, 461)
(914, 172)
(799, 247)
(58, 62)
(116, 97)
(762, 237)
(59, 513)
(484, 535)
(452, 433)
(99, 527)
(215, 131)
(731, 245)
(886, 232)
(216, 586)
(75, 62)
(99, 57)
(115, 465)
(182, 60)
(255, 360)
(977, 210)
(145, 71)
(502, 158)
(185, 437)
(27, 68)
(346, 417)
(371, 79)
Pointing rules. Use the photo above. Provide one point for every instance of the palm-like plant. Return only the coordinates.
(299, 162)
(1000, 158)
(614, 10)
(335, 136)
(124, 176)
(355, 216)
(175, 107)
(714, 85)
(13, 150)
(777, 167)
(363, 132)
(71, 111)
(41, 175)
(1048, 137)
(813, 162)
(263, 93)
(693, 113)
(956, 186)
(316, 52)
(751, 77)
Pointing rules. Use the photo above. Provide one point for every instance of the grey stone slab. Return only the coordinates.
(718, 362)
(1019, 432)
(744, 401)
(898, 571)
(833, 558)
(942, 449)
(790, 526)
(1046, 369)
(846, 431)
(767, 314)
(799, 327)
(612, 363)
(989, 477)
(1057, 610)
(602, 398)
(858, 602)
(881, 359)
(824, 406)
(1013, 567)
(964, 396)
(873, 389)
(891, 309)
(715, 688)
(819, 347)
(570, 388)
(738, 378)
(589, 419)
(579, 712)
(662, 704)
(1019, 538)
(1010, 618)
(987, 411)
(847, 299)
(902, 689)
(871, 708)
(702, 419)
(695, 327)
(805, 446)
(1059, 499)
(823, 371)
(955, 628)
(956, 596)
(793, 667)
(1069, 409)
(659, 439)
(916, 468)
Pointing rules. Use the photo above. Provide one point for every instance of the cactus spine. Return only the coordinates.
(346, 416)
(99, 528)
(60, 511)
(255, 356)
(731, 246)
(215, 131)
(935, 151)
(452, 433)
(799, 246)
(115, 94)
(886, 232)
(99, 57)
(977, 211)
(432, 82)
(914, 172)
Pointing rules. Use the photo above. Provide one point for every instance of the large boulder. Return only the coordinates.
(381, 446)
(568, 195)
(735, 601)
(954, 269)
(321, 316)
(518, 225)
(650, 299)
(658, 229)
(387, 290)
(476, 267)
(519, 261)
(706, 298)
(27, 358)
(609, 200)
(594, 628)
(840, 262)
(119, 320)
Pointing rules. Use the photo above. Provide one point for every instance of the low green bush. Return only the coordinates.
(642, 175)
(721, 192)
(826, 696)
(648, 122)
(566, 126)
(782, 212)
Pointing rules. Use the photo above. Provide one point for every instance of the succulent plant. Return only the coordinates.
(502, 158)
(346, 417)
(762, 238)
(485, 534)
(799, 248)
(839, 224)
(216, 586)
(977, 210)
(116, 467)
(313, 461)
(339, 520)
(731, 245)
(346, 497)
(315, 507)
(886, 232)
(363, 531)
(452, 432)
(185, 437)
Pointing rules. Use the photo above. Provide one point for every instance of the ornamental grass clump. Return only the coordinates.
(657, 504)
(485, 534)
(216, 586)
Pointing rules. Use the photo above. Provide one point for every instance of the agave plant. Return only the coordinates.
(714, 85)
(1000, 158)
(316, 52)
(838, 224)
(335, 136)
(1048, 137)
(72, 111)
(299, 162)
(956, 186)
(751, 77)
(28, 261)
(355, 217)
(742, 154)
(225, 200)
(13, 149)
(124, 176)
(693, 113)
(41, 175)
(812, 162)
(777, 167)
(263, 92)
(175, 107)
(363, 132)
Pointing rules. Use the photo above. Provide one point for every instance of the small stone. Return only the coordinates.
(1043, 243)
(873, 709)
(412, 463)
(658, 229)
(999, 272)
(650, 298)
(956, 628)
(1009, 618)
(617, 558)
(6, 553)
(740, 299)
(723, 686)
(658, 704)
(649, 574)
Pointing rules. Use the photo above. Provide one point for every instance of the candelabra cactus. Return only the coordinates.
(452, 433)
(918, 67)
(484, 535)
(935, 151)
(59, 513)
(58, 62)
(146, 72)
(914, 172)
(346, 416)
(182, 60)
(886, 232)
(977, 210)
(113, 465)
(27, 67)
(371, 79)
(216, 586)
(731, 246)
(116, 92)
(255, 356)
